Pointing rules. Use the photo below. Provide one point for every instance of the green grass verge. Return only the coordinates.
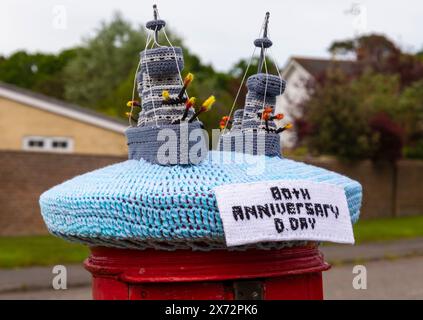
(39, 251)
(49, 250)
(388, 229)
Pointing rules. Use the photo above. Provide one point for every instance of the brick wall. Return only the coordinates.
(377, 181)
(388, 191)
(409, 188)
(25, 175)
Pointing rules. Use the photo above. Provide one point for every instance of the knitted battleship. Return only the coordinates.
(166, 107)
(146, 202)
(253, 129)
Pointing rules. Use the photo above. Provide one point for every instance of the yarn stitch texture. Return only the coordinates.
(137, 204)
(248, 128)
(144, 143)
(251, 142)
(140, 204)
(160, 69)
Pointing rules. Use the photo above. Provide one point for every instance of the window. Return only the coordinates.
(60, 144)
(47, 144)
(36, 143)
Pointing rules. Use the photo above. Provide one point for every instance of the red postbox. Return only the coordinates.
(289, 273)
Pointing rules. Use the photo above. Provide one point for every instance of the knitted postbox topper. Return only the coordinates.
(162, 197)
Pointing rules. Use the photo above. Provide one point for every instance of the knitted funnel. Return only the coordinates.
(136, 204)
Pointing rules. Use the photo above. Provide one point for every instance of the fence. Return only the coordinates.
(388, 190)
(25, 175)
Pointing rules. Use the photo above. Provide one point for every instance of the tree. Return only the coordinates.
(334, 123)
(38, 72)
(103, 65)
(410, 116)
(381, 55)
(374, 111)
(354, 119)
(101, 75)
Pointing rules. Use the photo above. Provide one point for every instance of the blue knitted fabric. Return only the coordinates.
(251, 142)
(144, 143)
(137, 204)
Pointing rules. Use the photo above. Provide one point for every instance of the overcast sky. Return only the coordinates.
(219, 31)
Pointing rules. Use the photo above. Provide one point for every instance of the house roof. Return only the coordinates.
(62, 108)
(318, 66)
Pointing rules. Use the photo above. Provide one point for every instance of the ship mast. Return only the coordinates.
(156, 32)
(261, 60)
(156, 24)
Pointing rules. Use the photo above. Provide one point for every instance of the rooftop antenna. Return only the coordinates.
(261, 61)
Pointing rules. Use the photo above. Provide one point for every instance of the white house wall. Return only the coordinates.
(296, 78)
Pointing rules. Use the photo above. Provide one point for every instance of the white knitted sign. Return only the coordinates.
(284, 210)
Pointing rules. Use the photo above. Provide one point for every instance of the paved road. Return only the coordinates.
(386, 279)
(40, 278)
(372, 251)
(78, 293)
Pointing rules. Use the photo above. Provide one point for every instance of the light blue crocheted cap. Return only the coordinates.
(140, 203)
(136, 204)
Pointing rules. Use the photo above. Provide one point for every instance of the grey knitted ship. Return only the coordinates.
(253, 128)
(163, 129)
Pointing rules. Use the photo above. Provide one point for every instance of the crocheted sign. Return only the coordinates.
(283, 210)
